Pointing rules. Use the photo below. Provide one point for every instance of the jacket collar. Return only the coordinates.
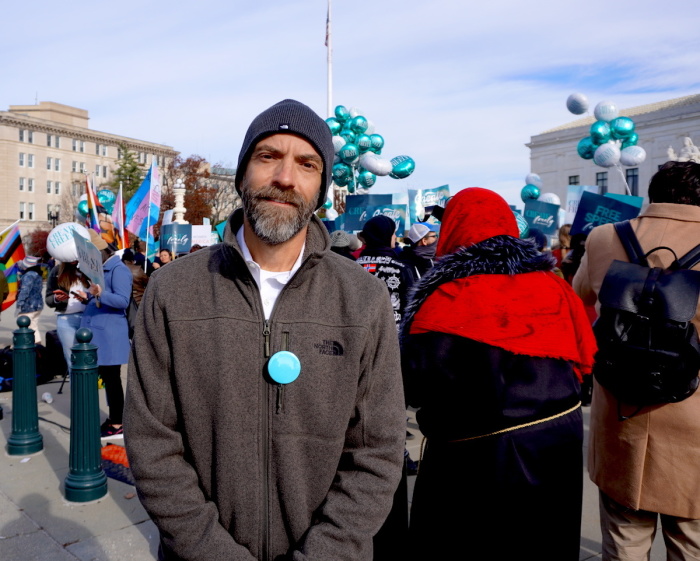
(687, 213)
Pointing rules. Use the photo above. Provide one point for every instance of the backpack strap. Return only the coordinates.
(630, 242)
(690, 259)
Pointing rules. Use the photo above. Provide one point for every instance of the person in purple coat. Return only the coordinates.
(105, 316)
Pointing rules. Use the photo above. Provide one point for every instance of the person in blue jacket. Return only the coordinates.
(105, 316)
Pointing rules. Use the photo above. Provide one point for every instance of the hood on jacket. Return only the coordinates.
(474, 215)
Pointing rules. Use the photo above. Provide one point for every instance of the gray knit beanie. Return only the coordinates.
(290, 116)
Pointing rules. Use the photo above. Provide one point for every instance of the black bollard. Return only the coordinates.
(25, 437)
(86, 480)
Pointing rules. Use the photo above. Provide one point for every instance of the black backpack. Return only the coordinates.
(648, 349)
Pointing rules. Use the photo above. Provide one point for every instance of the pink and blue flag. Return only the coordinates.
(143, 209)
(118, 214)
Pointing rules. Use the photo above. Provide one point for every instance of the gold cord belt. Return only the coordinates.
(524, 425)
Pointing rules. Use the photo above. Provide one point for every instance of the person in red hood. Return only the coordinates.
(493, 348)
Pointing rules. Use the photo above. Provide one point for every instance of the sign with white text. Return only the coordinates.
(89, 260)
(594, 210)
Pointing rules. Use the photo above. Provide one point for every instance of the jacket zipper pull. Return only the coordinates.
(280, 395)
(266, 334)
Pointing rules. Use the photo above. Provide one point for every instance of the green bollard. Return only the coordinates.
(25, 437)
(86, 480)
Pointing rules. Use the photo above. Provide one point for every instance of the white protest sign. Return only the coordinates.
(89, 260)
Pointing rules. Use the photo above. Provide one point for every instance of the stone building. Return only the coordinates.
(668, 130)
(45, 152)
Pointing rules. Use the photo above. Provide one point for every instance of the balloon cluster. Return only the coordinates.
(532, 191)
(105, 197)
(357, 152)
(612, 139)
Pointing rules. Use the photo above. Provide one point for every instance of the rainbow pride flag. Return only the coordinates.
(92, 221)
(11, 253)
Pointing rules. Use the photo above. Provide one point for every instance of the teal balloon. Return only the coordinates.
(359, 124)
(377, 143)
(334, 125)
(106, 197)
(349, 153)
(83, 208)
(328, 204)
(342, 181)
(403, 166)
(600, 132)
(622, 128)
(366, 179)
(631, 140)
(523, 226)
(364, 143)
(348, 136)
(351, 187)
(342, 113)
(586, 148)
(341, 172)
(530, 193)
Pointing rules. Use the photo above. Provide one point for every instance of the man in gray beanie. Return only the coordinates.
(264, 416)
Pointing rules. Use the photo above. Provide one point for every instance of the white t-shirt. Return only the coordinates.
(269, 283)
(73, 305)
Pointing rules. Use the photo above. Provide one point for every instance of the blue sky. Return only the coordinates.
(458, 86)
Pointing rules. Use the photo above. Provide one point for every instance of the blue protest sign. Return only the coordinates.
(396, 212)
(356, 209)
(594, 210)
(542, 216)
(176, 237)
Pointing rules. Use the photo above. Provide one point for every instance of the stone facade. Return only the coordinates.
(45, 152)
(662, 128)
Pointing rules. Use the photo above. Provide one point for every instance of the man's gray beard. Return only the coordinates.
(276, 225)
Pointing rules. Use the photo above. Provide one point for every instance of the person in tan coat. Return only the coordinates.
(648, 465)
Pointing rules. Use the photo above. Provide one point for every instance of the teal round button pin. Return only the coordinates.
(284, 367)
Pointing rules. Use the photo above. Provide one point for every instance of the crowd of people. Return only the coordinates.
(275, 393)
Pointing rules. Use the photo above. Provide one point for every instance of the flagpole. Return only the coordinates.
(10, 226)
(150, 201)
(329, 45)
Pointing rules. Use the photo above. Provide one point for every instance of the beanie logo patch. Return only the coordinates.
(284, 126)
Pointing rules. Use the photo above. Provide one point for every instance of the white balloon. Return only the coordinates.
(354, 112)
(607, 155)
(375, 164)
(577, 103)
(83, 197)
(331, 214)
(60, 243)
(551, 198)
(606, 111)
(632, 156)
(533, 179)
(370, 127)
(338, 143)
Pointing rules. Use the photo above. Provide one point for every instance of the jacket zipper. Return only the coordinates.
(266, 455)
(280, 387)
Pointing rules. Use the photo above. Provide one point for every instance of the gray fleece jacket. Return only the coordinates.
(232, 466)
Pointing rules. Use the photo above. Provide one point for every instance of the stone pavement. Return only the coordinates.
(38, 524)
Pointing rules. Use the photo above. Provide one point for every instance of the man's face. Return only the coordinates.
(281, 186)
(429, 239)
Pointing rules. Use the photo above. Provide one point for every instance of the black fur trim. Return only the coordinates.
(499, 255)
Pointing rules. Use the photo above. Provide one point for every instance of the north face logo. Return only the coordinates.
(332, 348)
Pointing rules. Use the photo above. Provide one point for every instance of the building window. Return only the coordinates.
(104, 172)
(97, 170)
(57, 188)
(49, 187)
(119, 153)
(574, 180)
(56, 141)
(57, 164)
(97, 149)
(30, 185)
(21, 211)
(74, 168)
(30, 211)
(49, 163)
(21, 135)
(30, 160)
(75, 145)
(21, 159)
(601, 180)
(30, 137)
(82, 146)
(48, 140)
(75, 189)
(21, 183)
(83, 168)
(104, 149)
(632, 177)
